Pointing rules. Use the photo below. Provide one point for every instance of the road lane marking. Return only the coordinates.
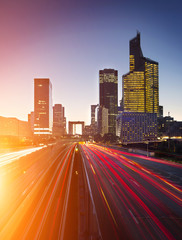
(135, 183)
(92, 168)
(108, 207)
(133, 217)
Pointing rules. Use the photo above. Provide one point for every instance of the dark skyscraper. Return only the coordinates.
(43, 116)
(140, 85)
(108, 95)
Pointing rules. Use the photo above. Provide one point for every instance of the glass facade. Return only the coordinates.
(138, 127)
(140, 85)
(108, 95)
(43, 113)
(133, 92)
(152, 88)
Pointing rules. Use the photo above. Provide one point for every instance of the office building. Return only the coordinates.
(140, 85)
(92, 129)
(102, 120)
(31, 121)
(169, 128)
(160, 111)
(140, 89)
(59, 120)
(108, 96)
(14, 132)
(43, 115)
(133, 127)
(93, 108)
(14, 127)
(64, 126)
(93, 126)
(88, 130)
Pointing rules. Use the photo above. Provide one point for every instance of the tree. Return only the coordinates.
(109, 137)
(97, 138)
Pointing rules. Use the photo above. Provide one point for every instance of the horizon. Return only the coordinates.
(70, 43)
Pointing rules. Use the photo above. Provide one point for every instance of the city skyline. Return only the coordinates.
(39, 40)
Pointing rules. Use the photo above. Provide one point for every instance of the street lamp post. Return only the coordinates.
(147, 142)
(147, 149)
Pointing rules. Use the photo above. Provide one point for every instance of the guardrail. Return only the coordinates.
(135, 150)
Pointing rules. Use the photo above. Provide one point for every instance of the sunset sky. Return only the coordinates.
(70, 41)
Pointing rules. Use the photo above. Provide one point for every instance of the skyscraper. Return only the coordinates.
(59, 120)
(108, 95)
(102, 120)
(140, 85)
(31, 121)
(93, 107)
(43, 116)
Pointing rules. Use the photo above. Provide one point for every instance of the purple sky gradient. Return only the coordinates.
(70, 41)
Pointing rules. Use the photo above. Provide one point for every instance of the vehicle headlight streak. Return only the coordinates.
(137, 167)
(41, 182)
(13, 156)
(110, 162)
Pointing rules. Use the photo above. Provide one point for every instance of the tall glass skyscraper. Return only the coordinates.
(43, 114)
(108, 95)
(140, 85)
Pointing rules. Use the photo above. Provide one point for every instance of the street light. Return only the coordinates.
(147, 142)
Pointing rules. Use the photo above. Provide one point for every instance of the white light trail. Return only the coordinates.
(13, 156)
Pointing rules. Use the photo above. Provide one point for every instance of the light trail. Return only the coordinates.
(140, 169)
(69, 157)
(51, 197)
(134, 192)
(130, 199)
(34, 188)
(8, 158)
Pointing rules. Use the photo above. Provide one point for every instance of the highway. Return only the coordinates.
(135, 197)
(34, 190)
(90, 192)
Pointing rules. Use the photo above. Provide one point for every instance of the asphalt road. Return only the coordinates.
(34, 187)
(135, 197)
